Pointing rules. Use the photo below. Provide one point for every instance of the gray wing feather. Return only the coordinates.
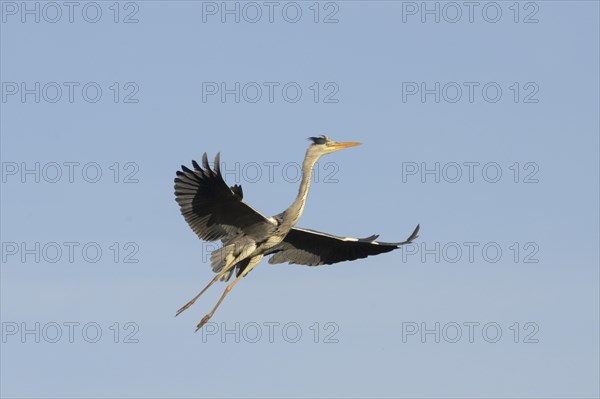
(213, 210)
(313, 248)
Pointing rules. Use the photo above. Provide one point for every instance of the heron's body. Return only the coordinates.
(215, 211)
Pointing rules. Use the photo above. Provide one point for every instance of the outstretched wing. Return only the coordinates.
(212, 209)
(313, 248)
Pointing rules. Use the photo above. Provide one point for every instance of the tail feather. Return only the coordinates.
(237, 269)
(221, 257)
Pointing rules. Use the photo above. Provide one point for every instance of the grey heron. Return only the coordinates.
(215, 211)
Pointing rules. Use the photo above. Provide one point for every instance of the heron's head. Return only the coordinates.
(324, 145)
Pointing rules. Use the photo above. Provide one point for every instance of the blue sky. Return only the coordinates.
(483, 130)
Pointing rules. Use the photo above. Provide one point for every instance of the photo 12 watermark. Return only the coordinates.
(470, 12)
(289, 332)
(275, 171)
(69, 252)
(70, 92)
(471, 332)
(69, 172)
(470, 92)
(52, 332)
(487, 252)
(452, 172)
(70, 12)
(270, 92)
(270, 12)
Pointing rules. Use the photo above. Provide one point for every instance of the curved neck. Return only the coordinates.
(292, 214)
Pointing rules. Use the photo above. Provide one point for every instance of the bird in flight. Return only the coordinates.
(215, 211)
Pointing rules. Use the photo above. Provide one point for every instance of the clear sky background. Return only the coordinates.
(541, 291)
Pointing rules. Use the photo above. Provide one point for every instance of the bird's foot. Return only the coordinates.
(204, 320)
(184, 307)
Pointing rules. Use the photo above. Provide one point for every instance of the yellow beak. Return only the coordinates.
(341, 146)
